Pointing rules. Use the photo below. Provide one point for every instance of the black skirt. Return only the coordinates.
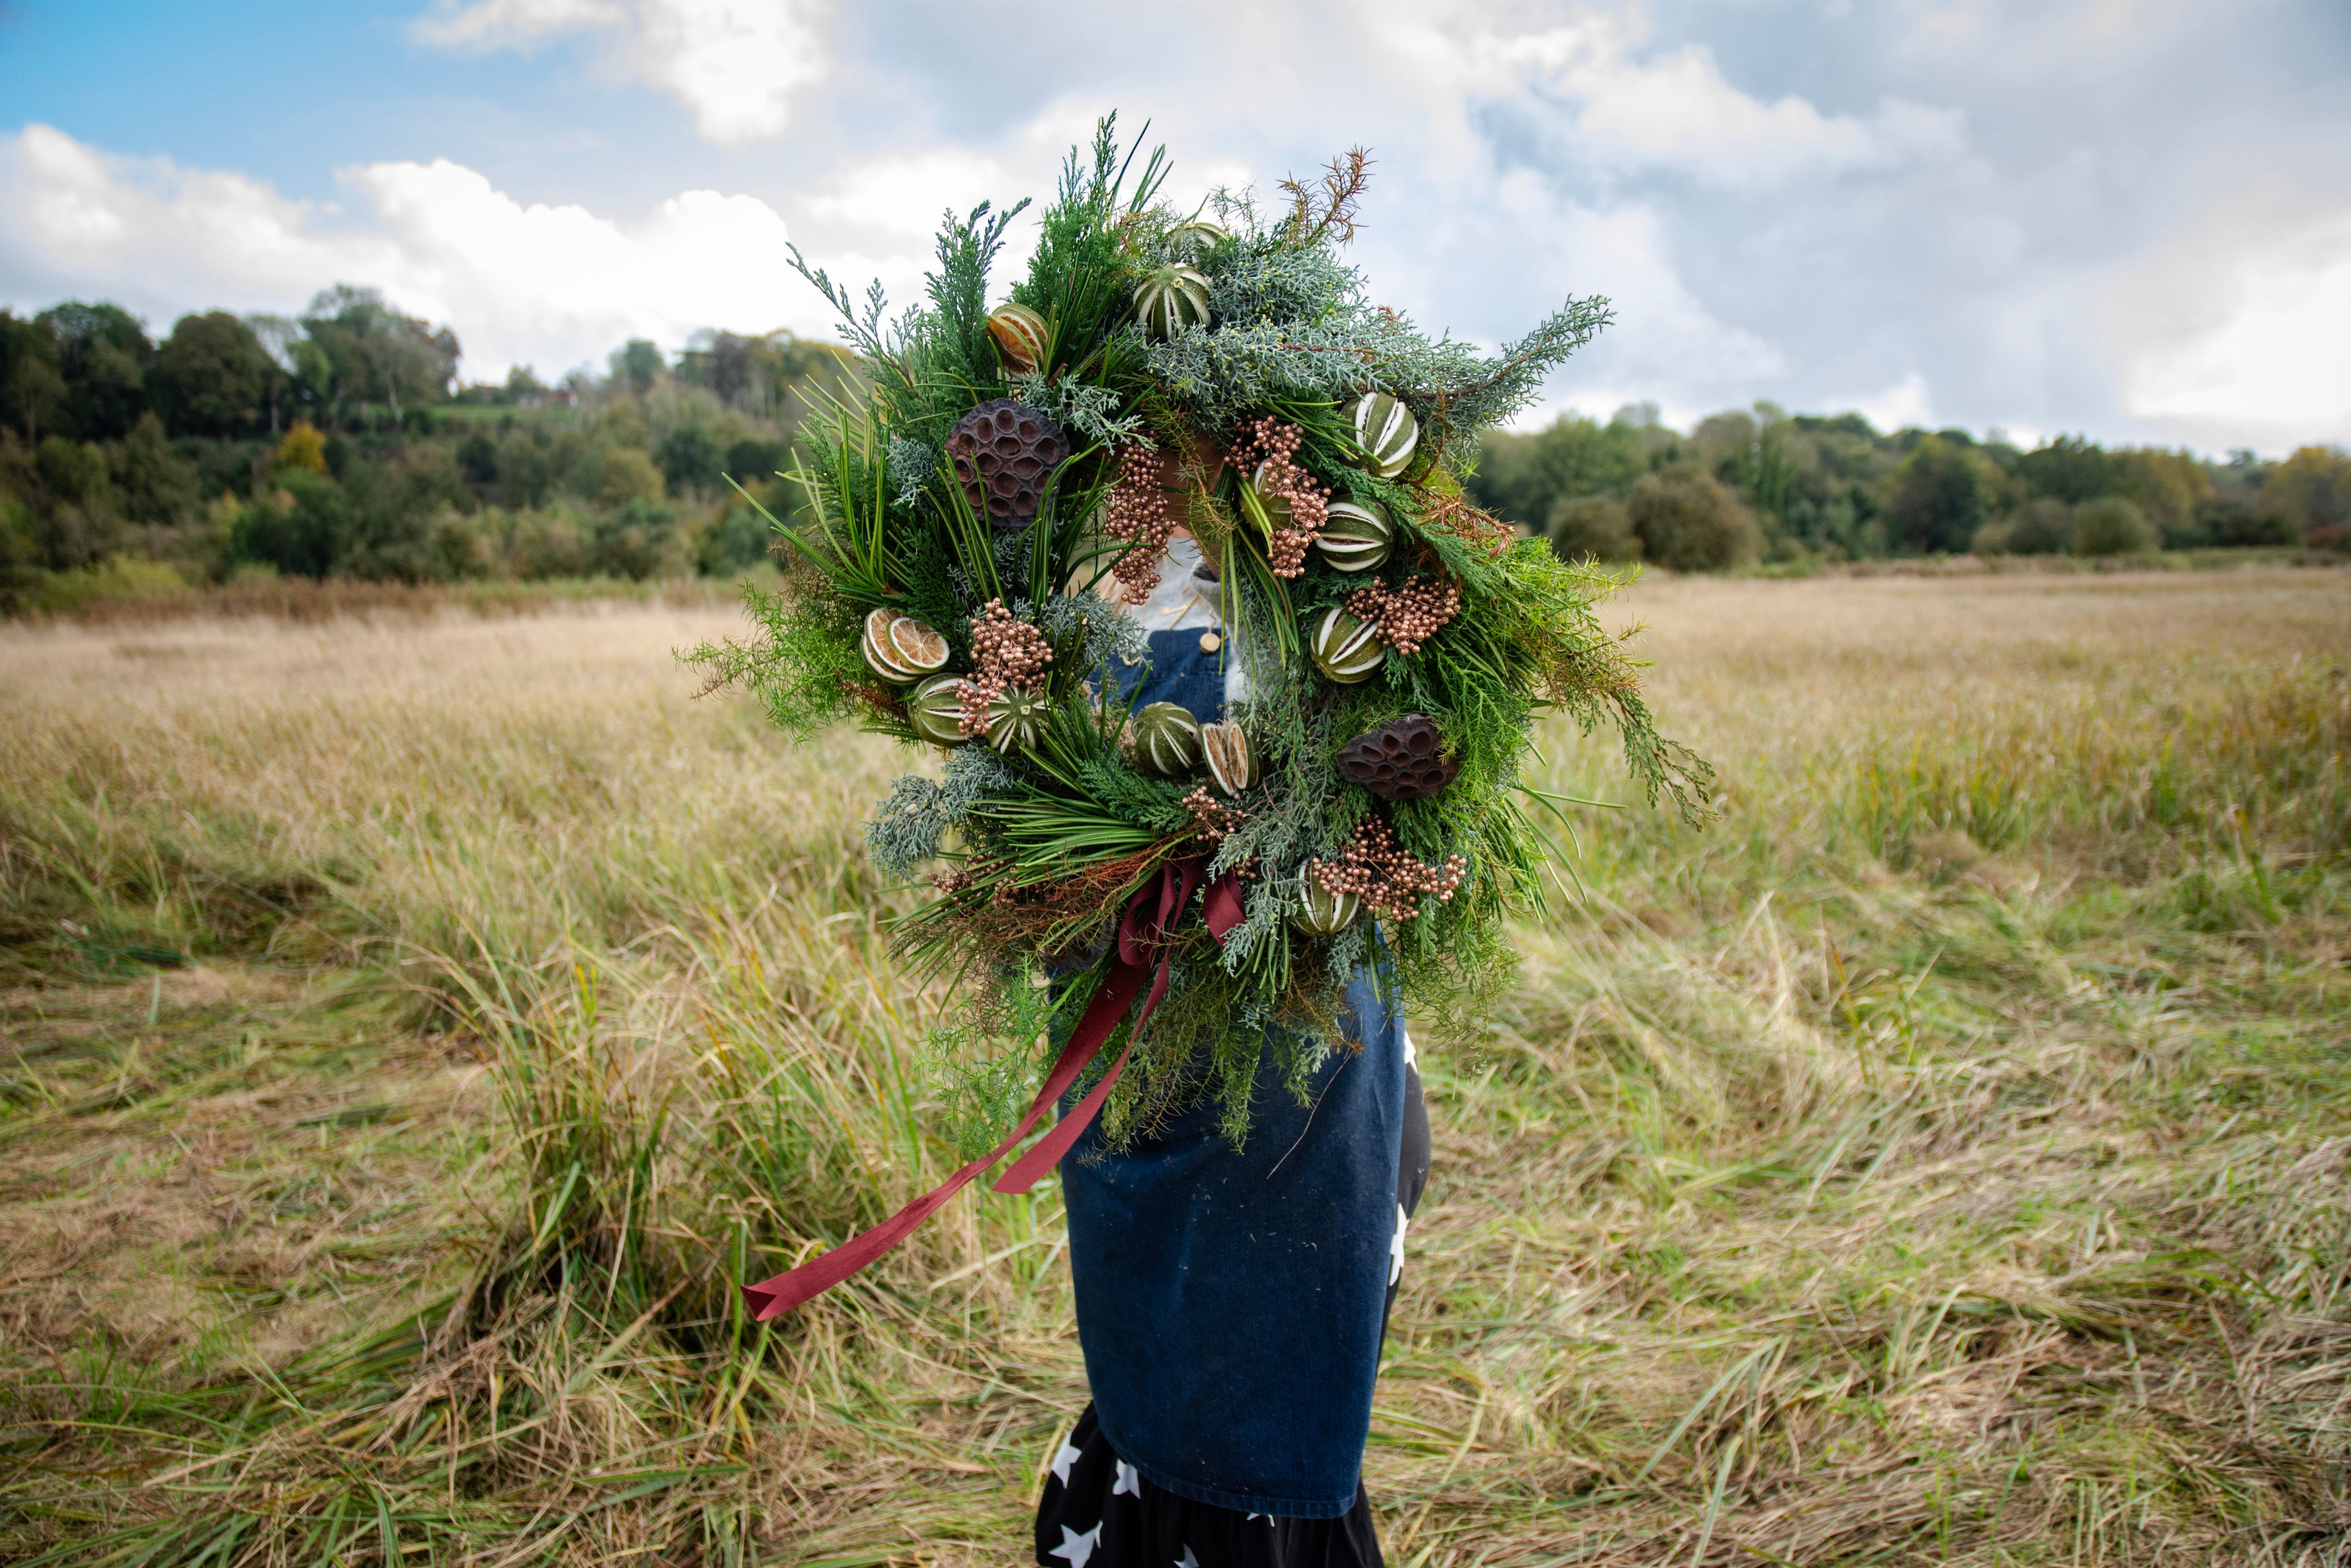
(1098, 1511)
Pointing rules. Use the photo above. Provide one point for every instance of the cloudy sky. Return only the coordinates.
(2128, 218)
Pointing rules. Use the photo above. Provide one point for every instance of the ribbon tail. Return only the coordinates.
(1046, 1152)
(1222, 907)
(773, 1297)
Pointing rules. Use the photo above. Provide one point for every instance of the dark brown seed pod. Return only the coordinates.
(1004, 451)
(1404, 760)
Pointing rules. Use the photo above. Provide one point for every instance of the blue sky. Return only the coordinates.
(2129, 217)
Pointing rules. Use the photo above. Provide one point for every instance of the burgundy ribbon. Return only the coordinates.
(1146, 932)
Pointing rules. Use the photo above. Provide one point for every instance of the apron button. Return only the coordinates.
(1210, 642)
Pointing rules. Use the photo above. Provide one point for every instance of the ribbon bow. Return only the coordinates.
(1146, 934)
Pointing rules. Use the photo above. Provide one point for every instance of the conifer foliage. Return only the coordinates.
(1234, 360)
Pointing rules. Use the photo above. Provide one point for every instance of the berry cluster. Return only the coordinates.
(1409, 616)
(1215, 818)
(1375, 869)
(1139, 514)
(1266, 441)
(1010, 652)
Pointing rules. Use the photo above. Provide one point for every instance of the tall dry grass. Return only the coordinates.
(1943, 1159)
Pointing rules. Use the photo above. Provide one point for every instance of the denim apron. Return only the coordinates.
(1230, 1304)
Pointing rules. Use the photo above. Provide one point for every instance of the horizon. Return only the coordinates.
(1975, 216)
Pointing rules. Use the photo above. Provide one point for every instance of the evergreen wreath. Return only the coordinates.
(1009, 481)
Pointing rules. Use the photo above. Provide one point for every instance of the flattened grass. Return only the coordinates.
(411, 1030)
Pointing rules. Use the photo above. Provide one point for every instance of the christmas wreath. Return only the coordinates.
(979, 528)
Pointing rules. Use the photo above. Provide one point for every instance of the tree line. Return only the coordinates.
(1766, 486)
(339, 442)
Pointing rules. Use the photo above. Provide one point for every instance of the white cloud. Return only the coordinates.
(2244, 324)
(902, 194)
(551, 286)
(734, 63)
(1906, 403)
(1677, 111)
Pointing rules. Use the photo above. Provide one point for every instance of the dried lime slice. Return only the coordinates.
(916, 646)
(878, 652)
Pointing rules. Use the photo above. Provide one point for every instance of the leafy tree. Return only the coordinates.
(752, 462)
(2311, 490)
(156, 483)
(721, 361)
(477, 460)
(2110, 525)
(372, 350)
(76, 521)
(1940, 498)
(690, 459)
(2167, 486)
(31, 389)
(2233, 523)
(636, 541)
(638, 365)
(735, 543)
(18, 574)
(304, 448)
(2072, 468)
(1522, 477)
(279, 337)
(528, 464)
(523, 384)
(1686, 520)
(628, 476)
(103, 357)
(211, 376)
(396, 506)
(303, 529)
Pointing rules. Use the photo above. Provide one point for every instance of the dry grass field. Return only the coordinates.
(411, 1026)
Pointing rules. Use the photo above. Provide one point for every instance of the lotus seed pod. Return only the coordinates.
(1356, 538)
(1004, 451)
(1167, 739)
(1387, 432)
(1016, 720)
(1170, 298)
(915, 646)
(1346, 649)
(1231, 763)
(936, 712)
(1323, 913)
(880, 653)
(1022, 337)
(1404, 761)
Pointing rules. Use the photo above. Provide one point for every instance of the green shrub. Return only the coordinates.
(753, 462)
(118, 577)
(1593, 526)
(735, 543)
(628, 475)
(1687, 521)
(2042, 525)
(690, 459)
(638, 541)
(302, 529)
(2235, 525)
(2110, 525)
